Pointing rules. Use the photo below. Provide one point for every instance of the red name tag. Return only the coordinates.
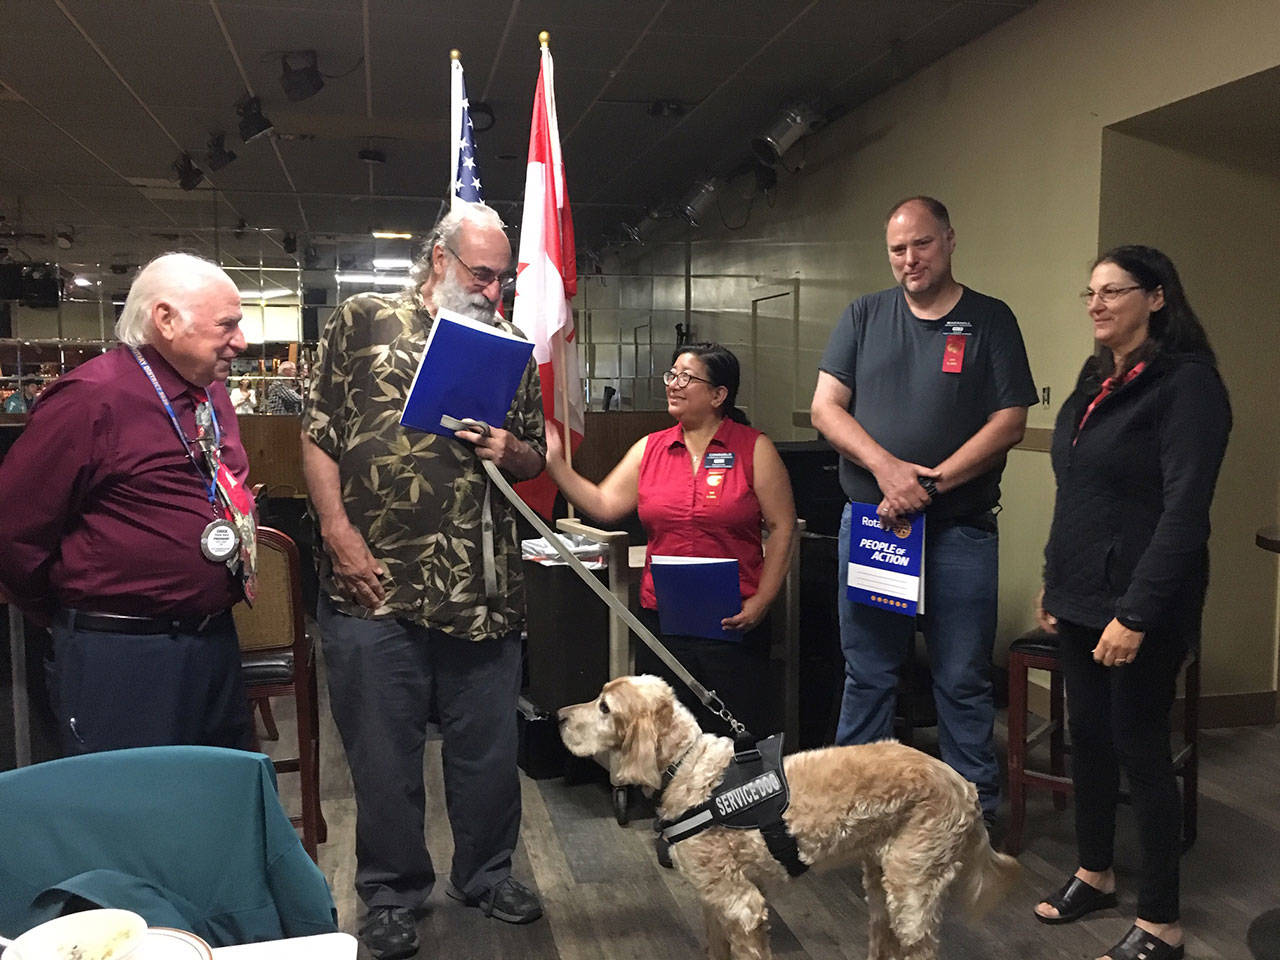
(714, 479)
(953, 354)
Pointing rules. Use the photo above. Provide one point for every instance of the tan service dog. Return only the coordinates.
(911, 821)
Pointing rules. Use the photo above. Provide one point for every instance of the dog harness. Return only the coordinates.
(752, 795)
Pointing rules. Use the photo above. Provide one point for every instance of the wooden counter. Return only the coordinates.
(609, 435)
(274, 447)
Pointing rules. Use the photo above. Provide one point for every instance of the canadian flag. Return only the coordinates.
(547, 278)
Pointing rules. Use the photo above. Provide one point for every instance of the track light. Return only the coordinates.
(252, 123)
(640, 232)
(794, 122)
(300, 82)
(218, 156)
(698, 200)
(189, 175)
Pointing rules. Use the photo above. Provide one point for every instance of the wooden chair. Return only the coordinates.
(278, 660)
(1038, 650)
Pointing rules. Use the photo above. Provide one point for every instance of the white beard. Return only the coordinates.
(450, 294)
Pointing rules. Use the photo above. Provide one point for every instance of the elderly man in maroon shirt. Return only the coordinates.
(124, 523)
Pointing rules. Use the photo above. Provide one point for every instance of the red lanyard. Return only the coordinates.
(1108, 385)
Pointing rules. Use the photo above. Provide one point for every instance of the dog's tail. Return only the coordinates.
(986, 874)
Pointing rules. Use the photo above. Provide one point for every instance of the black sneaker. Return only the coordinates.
(390, 933)
(508, 900)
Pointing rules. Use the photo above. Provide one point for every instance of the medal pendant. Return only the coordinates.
(219, 541)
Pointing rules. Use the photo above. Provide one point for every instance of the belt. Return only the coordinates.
(119, 623)
(985, 521)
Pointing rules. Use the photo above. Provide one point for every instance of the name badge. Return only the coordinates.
(953, 354)
(961, 328)
(219, 541)
(719, 461)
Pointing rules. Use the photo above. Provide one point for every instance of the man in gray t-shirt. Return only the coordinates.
(923, 388)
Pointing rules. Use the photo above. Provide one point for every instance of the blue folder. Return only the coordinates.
(695, 594)
(886, 567)
(468, 371)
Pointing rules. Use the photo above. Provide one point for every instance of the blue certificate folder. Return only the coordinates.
(695, 594)
(469, 370)
(886, 567)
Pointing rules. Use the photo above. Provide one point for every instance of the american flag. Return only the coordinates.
(466, 174)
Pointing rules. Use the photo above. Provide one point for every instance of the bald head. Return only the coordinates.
(920, 242)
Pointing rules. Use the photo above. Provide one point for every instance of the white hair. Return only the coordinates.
(170, 276)
(447, 229)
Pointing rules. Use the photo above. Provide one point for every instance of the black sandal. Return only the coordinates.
(1075, 899)
(1140, 945)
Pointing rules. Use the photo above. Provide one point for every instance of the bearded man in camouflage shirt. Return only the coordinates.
(406, 620)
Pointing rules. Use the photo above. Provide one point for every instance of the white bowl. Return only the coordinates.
(89, 935)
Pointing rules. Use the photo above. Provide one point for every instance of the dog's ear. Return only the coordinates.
(637, 756)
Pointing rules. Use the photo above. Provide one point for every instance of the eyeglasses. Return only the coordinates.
(484, 275)
(680, 378)
(1108, 295)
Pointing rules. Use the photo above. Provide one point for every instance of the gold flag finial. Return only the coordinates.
(544, 38)
(454, 54)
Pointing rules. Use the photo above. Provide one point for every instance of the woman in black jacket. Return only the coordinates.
(1136, 452)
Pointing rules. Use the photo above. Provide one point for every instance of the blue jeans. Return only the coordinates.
(959, 626)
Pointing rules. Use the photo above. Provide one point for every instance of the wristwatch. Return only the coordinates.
(930, 487)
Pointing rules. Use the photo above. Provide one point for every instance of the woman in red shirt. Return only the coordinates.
(704, 488)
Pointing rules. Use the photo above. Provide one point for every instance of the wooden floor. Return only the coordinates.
(606, 897)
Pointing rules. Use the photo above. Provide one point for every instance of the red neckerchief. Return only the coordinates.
(1108, 385)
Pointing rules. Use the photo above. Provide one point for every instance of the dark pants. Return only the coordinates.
(384, 676)
(737, 670)
(1119, 718)
(118, 690)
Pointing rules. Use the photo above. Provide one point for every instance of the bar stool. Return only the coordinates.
(1039, 650)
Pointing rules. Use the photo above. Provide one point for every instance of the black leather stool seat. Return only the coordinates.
(277, 668)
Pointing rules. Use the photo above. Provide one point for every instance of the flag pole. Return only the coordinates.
(544, 39)
(567, 434)
(455, 125)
